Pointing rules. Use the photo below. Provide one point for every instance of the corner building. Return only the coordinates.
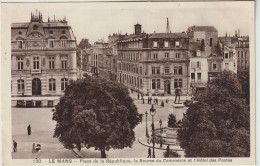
(154, 63)
(43, 57)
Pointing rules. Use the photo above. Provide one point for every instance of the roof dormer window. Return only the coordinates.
(35, 27)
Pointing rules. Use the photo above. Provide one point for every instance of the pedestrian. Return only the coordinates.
(149, 153)
(138, 96)
(156, 101)
(132, 91)
(15, 146)
(143, 100)
(141, 118)
(29, 130)
(142, 96)
(162, 104)
(168, 151)
(33, 148)
(177, 94)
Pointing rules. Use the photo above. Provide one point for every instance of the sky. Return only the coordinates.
(96, 20)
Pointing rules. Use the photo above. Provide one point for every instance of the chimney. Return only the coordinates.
(138, 29)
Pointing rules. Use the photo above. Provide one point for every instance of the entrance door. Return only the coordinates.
(167, 87)
(36, 86)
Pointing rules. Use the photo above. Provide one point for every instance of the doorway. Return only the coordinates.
(167, 87)
(36, 86)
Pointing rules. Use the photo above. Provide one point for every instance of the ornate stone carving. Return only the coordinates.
(35, 35)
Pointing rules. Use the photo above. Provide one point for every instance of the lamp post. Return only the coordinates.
(160, 122)
(146, 124)
(153, 112)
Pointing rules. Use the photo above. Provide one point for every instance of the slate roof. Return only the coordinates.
(203, 28)
(168, 35)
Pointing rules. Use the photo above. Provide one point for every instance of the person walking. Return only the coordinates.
(143, 100)
(177, 94)
(29, 130)
(15, 146)
(168, 151)
(138, 96)
(33, 148)
(149, 153)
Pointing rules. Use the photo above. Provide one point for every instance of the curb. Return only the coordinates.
(77, 154)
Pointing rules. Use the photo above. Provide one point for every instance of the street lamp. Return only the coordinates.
(146, 124)
(153, 112)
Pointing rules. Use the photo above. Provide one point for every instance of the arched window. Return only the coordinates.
(64, 83)
(52, 84)
(20, 84)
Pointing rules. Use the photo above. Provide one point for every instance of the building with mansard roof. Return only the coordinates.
(154, 63)
(43, 57)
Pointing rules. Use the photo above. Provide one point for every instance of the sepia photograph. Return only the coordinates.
(124, 80)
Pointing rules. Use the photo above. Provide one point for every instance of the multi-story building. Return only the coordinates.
(239, 45)
(43, 57)
(208, 55)
(104, 61)
(154, 63)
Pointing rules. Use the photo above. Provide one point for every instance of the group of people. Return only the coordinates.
(150, 152)
(29, 132)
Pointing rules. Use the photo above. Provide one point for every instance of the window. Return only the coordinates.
(51, 62)
(226, 55)
(245, 54)
(64, 83)
(51, 43)
(192, 76)
(242, 54)
(153, 84)
(141, 71)
(166, 70)
(63, 32)
(199, 76)
(35, 27)
(51, 32)
(238, 54)
(158, 84)
(177, 55)
(214, 66)
(166, 55)
(63, 43)
(155, 56)
(198, 64)
(19, 32)
(64, 62)
(52, 85)
(166, 44)
(20, 63)
(36, 63)
(177, 43)
(20, 44)
(155, 44)
(177, 70)
(20, 84)
(210, 42)
(177, 83)
(155, 70)
(227, 66)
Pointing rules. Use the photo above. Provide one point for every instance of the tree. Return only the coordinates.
(84, 44)
(171, 121)
(97, 113)
(218, 123)
(245, 85)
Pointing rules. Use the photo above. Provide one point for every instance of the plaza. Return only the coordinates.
(43, 126)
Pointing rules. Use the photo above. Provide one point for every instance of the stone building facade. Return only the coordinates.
(154, 63)
(43, 57)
